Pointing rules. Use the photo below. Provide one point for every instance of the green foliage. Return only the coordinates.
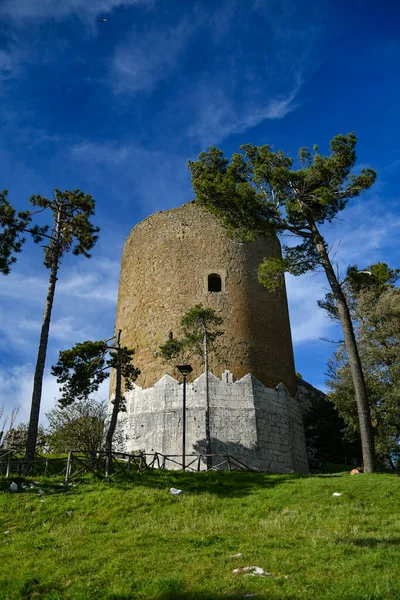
(375, 310)
(196, 323)
(15, 438)
(79, 426)
(291, 527)
(174, 349)
(71, 228)
(199, 323)
(71, 213)
(271, 273)
(12, 226)
(324, 433)
(260, 192)
(84, 367)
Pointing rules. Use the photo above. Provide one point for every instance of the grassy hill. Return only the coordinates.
(133, 539)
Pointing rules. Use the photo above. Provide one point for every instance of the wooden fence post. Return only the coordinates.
(8, 465)
(68, 469)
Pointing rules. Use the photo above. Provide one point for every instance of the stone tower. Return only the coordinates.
(172, 261)
(176, 259)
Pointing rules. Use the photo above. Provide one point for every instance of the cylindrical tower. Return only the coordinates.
(176, 259)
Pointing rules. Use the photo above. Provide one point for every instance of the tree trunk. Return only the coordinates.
(116, 404)
(207, 415)
(33, 426)
(364, 415)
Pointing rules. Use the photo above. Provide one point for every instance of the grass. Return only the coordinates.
(134, 540)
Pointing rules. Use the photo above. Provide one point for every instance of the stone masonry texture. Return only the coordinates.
(258, 425)
(254, 415)
(165, 266)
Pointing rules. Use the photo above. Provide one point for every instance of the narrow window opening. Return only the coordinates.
(214, 283)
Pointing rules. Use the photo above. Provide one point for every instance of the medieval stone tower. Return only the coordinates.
(172, 261)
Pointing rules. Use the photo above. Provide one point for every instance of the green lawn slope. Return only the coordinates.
(133, 539)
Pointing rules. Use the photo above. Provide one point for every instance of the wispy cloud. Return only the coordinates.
(16, 285)
(16, 391)
(9, 63)
(147, 58)
(393, 166)
(84, 307)
(39, 9)
(216, 116)
(259, 79)
(234, 86)
(149, 180)
(366, 232)
(308, 321)
(13, 56)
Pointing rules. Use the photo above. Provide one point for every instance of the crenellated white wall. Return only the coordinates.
(261, 426)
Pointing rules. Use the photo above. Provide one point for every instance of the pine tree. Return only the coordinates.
(260, 192)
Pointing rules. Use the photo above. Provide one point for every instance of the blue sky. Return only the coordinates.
(118, 108)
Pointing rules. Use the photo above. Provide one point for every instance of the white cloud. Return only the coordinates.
(12, 58)
(258, 81)
(24, 286)
(308, 321)
(98, 281)
(393, 166)
(84, 307)
(366, 232)
(151, 180)
(231, 92)
(147, 58)
(92, 286)
(40, 9)
(216, 116)
(16, 386)
(9, 63)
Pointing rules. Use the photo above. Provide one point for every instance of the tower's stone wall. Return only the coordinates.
(258, 425)
(165, 264)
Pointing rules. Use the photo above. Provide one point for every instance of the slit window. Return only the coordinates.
(214, 283)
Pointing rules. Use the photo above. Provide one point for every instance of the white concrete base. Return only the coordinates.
(260, 426)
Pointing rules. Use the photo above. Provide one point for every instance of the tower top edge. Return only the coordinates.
(191, 203)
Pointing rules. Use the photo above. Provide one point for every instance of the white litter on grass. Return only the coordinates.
(13, 487)
(41, 491)
(253, 572)
(24, 486)
(60, 484)
(175, 491)
(6, 532)
(69, 512)
(336, 494)
(236, 555)
(42, 500)
(31, 486)
(36, 482)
